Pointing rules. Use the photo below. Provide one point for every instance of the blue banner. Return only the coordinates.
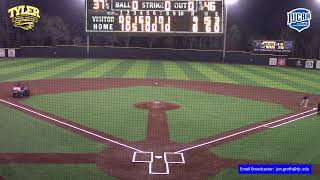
(275, 169)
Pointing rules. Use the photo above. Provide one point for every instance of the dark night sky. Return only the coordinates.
(265, 17)
(268, 17)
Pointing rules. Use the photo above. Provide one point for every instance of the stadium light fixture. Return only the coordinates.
(226, 4)
(230, 2)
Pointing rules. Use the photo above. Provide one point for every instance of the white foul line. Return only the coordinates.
(69, 125)
(248, 130)
(272, 127)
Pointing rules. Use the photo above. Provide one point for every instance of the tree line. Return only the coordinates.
(53, 30)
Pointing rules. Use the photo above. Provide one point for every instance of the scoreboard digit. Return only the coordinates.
(155, 16)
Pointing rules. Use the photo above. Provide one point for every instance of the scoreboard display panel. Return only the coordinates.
(155, 16)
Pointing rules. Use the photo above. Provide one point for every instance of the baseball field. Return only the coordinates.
(89, 119)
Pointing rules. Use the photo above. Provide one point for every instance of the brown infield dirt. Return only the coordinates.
(182, 161)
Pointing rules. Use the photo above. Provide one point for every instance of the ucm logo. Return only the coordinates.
(299, 19)
(24, 17)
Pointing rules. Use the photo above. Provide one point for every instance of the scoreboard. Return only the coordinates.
(155, 16)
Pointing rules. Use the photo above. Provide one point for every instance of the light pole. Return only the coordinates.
(226, 3)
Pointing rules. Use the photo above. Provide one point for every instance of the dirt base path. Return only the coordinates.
(156, 157)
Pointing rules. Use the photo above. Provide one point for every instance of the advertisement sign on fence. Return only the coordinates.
(318, 65)
(282, 61)
(299, 63)
(2, 53)
(273, 46)
(273, 61)
(11, 53)
(309, 64)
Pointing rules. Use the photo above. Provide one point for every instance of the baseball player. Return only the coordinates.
(305, 101)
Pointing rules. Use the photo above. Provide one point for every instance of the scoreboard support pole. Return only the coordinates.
(88, 46)
(225, 31)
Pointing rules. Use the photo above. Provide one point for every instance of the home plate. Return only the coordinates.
(158, 157)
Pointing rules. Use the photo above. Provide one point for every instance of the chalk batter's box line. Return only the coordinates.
(159, 173)
(167, 164)
(174, 162)
(135, 154)
(150, 163)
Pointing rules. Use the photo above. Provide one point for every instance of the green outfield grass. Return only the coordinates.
(22, 133)
(112, 111)
(52, 172)
(276, 77)
(231, 174)
(295, 142)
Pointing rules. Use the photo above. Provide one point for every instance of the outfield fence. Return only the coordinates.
(232, 57)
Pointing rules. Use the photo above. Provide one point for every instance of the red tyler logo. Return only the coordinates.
(24, 16)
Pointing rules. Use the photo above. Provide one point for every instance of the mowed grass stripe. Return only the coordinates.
(50, 70)
(92, 64)
(5, 62)
(252, 78)
(298, 79)
(308, 73)
(156, 70)
(191, 72)
(289, 80)
(26, 73)
(120, 69)
(65, 70)
(311, 82)
(217, 69)
(20, 66)
(102, 67)
(212, 74)
(173, 71)
(76, 69)
(138, 70)
(269, 79)
(14, 63)
(242, 77)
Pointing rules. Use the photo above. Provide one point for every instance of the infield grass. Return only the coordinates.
(112, 111)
